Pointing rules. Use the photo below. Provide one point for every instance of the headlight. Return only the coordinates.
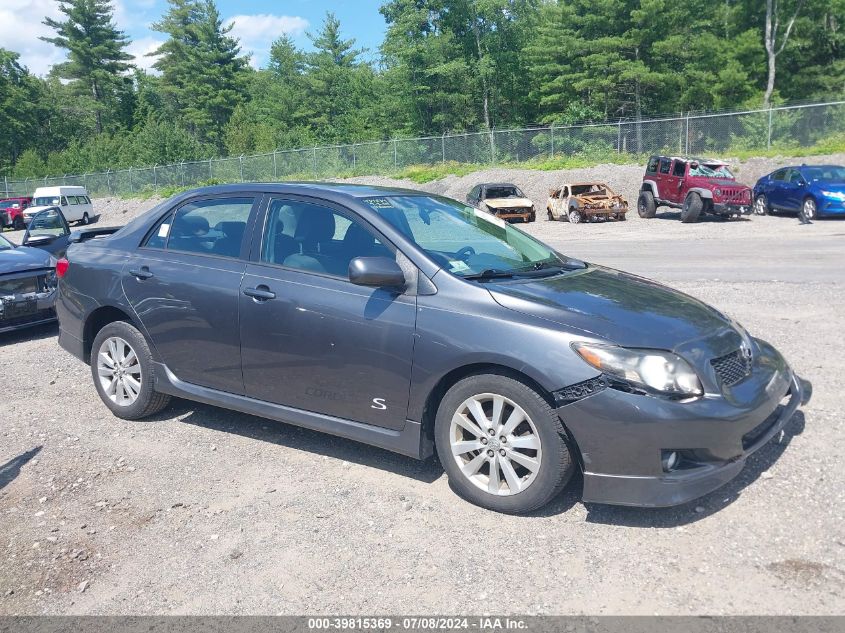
(718, 192)
(661, 371)
(836, 195)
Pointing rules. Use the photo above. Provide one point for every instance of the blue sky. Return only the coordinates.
(256, 22)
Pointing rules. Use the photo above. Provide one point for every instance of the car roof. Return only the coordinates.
(351, 190)
(62, 189)
(497, 184)
(695, 159)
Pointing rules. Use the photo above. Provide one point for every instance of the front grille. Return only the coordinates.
(732, 368)
(735, 194)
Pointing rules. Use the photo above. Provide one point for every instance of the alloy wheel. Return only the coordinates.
(119, 371)
(810, 209)
(495, 444)
(760, 206)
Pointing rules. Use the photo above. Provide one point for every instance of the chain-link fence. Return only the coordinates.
(786, 128)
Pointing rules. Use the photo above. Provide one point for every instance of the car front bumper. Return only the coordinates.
(831, 206)
(725, 208)
(622, 436)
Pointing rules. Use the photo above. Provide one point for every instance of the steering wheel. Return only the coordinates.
(464, 253)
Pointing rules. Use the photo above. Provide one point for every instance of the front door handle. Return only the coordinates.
(260, 293)
(141, 273)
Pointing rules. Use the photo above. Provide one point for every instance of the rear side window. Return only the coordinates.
(779, 174)
(652, 165)
(679, 169)
(72, 200)
(207, 227)
(664, 166)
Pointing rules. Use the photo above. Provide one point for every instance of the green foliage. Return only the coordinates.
(444, 66)
(96, 57)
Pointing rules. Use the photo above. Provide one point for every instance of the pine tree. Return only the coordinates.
(203, 72)
(96, 55)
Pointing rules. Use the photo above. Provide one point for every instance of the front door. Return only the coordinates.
(310, 338)
(184, 285)
(49, 231)
(794, 189)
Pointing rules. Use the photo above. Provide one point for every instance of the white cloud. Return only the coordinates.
(140, 48)
(257, 32)
(20, 28)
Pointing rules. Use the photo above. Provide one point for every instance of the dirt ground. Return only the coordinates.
(205, 511)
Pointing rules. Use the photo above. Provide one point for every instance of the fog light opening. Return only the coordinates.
(670, 461)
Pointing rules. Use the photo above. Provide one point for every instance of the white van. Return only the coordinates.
(73, 201)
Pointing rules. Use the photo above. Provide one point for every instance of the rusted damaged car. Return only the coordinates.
(585, 202)
(504, 200)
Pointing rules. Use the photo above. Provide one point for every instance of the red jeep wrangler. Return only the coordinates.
(693, 185)
(11, 212)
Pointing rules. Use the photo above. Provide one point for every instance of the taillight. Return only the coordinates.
(61, 267)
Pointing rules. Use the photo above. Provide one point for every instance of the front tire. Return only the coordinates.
(811, 211)
(693, 205)
(761, 205)
(501, 444)
(18, 224)
(122, 369)
(646, 205)
(575, 216)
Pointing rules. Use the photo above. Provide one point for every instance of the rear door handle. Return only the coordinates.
(141, 273)
(260, 293)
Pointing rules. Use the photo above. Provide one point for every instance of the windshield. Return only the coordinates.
(46, 201)
(508, 191)
(465, 241)
(5, 244)
(826, 172)
(712, 171)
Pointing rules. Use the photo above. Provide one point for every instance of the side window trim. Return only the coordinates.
(257, 203)
(262, 224)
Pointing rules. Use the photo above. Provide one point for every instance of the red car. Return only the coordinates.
(11, 212)
(693, 185)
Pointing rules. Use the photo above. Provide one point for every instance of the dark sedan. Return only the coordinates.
(417, 323)
(27, 286)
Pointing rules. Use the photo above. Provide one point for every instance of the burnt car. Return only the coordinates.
(11, 212)
(585, 202)
(27, 286)
(504, 200)
(695, 186)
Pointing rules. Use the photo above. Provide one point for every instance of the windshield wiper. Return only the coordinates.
(490, 273)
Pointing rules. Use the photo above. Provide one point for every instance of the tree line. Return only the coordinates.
(443, 66)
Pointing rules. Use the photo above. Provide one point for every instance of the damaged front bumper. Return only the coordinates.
(27, 299)
(624, 438)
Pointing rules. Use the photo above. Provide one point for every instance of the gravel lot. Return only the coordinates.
(203, 511)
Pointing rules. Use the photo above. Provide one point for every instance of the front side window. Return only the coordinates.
(64, 201)
(652, 165)
(207, 227)
(679, 169)
(794, 176)
(48, 222)
(465, 241)
(314, 238)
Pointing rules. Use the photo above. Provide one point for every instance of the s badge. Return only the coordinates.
(378, 403)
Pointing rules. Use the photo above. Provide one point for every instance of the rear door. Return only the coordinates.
(310, 338)
(184, 285)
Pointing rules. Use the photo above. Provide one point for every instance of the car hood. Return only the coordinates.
(829, 185)
(22, 259)
(508, 203)
(623, 309)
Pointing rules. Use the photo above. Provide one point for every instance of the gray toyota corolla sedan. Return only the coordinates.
(416, 323)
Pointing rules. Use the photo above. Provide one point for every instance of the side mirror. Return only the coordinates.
(39, 240)
(377, 272)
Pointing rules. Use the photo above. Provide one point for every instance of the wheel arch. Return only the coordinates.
(451, 378)
(649, 185)
(704, 194)
(97, 320)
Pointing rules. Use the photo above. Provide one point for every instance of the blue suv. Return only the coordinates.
(817, 189)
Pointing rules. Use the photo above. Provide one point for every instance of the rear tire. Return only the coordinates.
(549, 215)
(85, 219)
(18, 224)
(693, 205)
(122, 369)
(524, 472)
(646, 206)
